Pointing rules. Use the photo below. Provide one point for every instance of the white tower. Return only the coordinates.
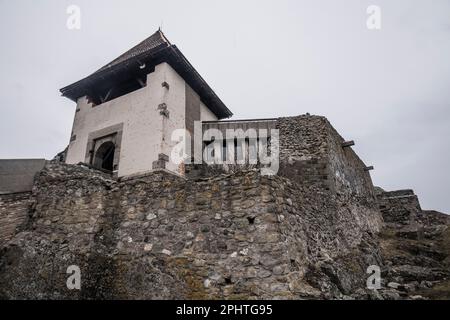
(127, 110)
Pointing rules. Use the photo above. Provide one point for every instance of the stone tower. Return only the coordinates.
(127, 110)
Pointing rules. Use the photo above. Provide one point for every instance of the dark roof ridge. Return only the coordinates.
(156, 38)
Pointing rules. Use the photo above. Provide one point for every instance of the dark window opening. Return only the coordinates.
(104, 157)
(294, 263)
(116, 88)
(224, 151)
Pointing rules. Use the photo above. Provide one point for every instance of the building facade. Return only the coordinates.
(126, 111)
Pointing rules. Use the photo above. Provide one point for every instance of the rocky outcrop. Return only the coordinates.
(415, 246)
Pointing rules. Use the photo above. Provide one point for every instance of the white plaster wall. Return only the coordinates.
(143, 133)
(206, 114)
(175, 99)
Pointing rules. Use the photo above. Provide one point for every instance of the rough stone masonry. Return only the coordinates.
(309, 232)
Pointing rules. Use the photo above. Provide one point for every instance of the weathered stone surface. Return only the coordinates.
(309, 233)
(14, 210)
(415, 246)
(85, 218)
(399, 207)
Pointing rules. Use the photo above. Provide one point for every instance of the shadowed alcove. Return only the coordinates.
(104, 157)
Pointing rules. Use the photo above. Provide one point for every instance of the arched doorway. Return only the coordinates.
(104, 156)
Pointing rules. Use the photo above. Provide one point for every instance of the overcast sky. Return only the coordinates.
(388, 89)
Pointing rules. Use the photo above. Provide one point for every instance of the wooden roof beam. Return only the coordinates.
(348, 144)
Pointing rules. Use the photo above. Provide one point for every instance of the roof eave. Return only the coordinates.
(161, 53)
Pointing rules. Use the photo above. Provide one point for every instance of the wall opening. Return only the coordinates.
(119, 86)
(103, 148)
(104, 157)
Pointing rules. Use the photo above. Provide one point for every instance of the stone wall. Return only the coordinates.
(311, 153)
(14, 210)
(348, 172)
(310, 232)
(303, 148)
(160, 236)
(400, 207)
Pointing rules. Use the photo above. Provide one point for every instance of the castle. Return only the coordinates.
(128, 110)
(140, 225)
